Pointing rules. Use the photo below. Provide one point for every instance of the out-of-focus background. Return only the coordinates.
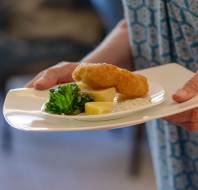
(35, 34)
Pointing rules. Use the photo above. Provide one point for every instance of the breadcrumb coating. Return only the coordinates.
(102, 75)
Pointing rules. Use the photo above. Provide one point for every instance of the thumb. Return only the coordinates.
(46, 81)
(61, 73)
(189, 90)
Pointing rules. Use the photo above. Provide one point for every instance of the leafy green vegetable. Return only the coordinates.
(67, 99)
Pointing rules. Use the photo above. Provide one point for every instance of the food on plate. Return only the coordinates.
(102, 95)
(131, 104)
(106, 95)
(98, 89)
(102, 75)
(67, 99)
(83, 86)
(95, 108)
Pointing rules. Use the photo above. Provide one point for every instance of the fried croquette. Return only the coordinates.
(102, 75)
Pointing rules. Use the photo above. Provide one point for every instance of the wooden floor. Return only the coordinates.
(72, 161)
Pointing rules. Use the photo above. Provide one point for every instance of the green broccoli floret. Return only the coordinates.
(67, 99)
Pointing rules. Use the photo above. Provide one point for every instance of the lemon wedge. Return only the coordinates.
(105, 95)
(95, 108)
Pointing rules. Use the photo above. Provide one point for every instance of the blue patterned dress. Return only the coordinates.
(163, 31)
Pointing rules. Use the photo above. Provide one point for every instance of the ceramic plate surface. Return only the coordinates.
(22, 107)
(155, 96)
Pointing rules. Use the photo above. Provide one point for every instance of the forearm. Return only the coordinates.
(115, 49)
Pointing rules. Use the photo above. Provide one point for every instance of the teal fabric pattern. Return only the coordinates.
(164, 31)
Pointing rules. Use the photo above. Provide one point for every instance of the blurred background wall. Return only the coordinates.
(35, 34)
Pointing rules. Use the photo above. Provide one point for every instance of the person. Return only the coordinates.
(154, 33)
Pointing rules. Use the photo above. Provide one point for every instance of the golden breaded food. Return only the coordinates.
(102, 75)
(97, 76)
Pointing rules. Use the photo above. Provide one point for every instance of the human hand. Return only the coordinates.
(188, 119)
(60, 73)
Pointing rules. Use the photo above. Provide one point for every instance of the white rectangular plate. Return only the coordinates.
(171, 77)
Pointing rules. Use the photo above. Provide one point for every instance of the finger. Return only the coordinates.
(190, 126)
(31, 82)
(65, 73)
(179, 118)
(194, 115)
(191, 115)
(189, 90)
(55, 75)
(60, 73)
(47, 80)
(187, 120)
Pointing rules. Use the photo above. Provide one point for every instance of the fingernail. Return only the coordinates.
(182, 93)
